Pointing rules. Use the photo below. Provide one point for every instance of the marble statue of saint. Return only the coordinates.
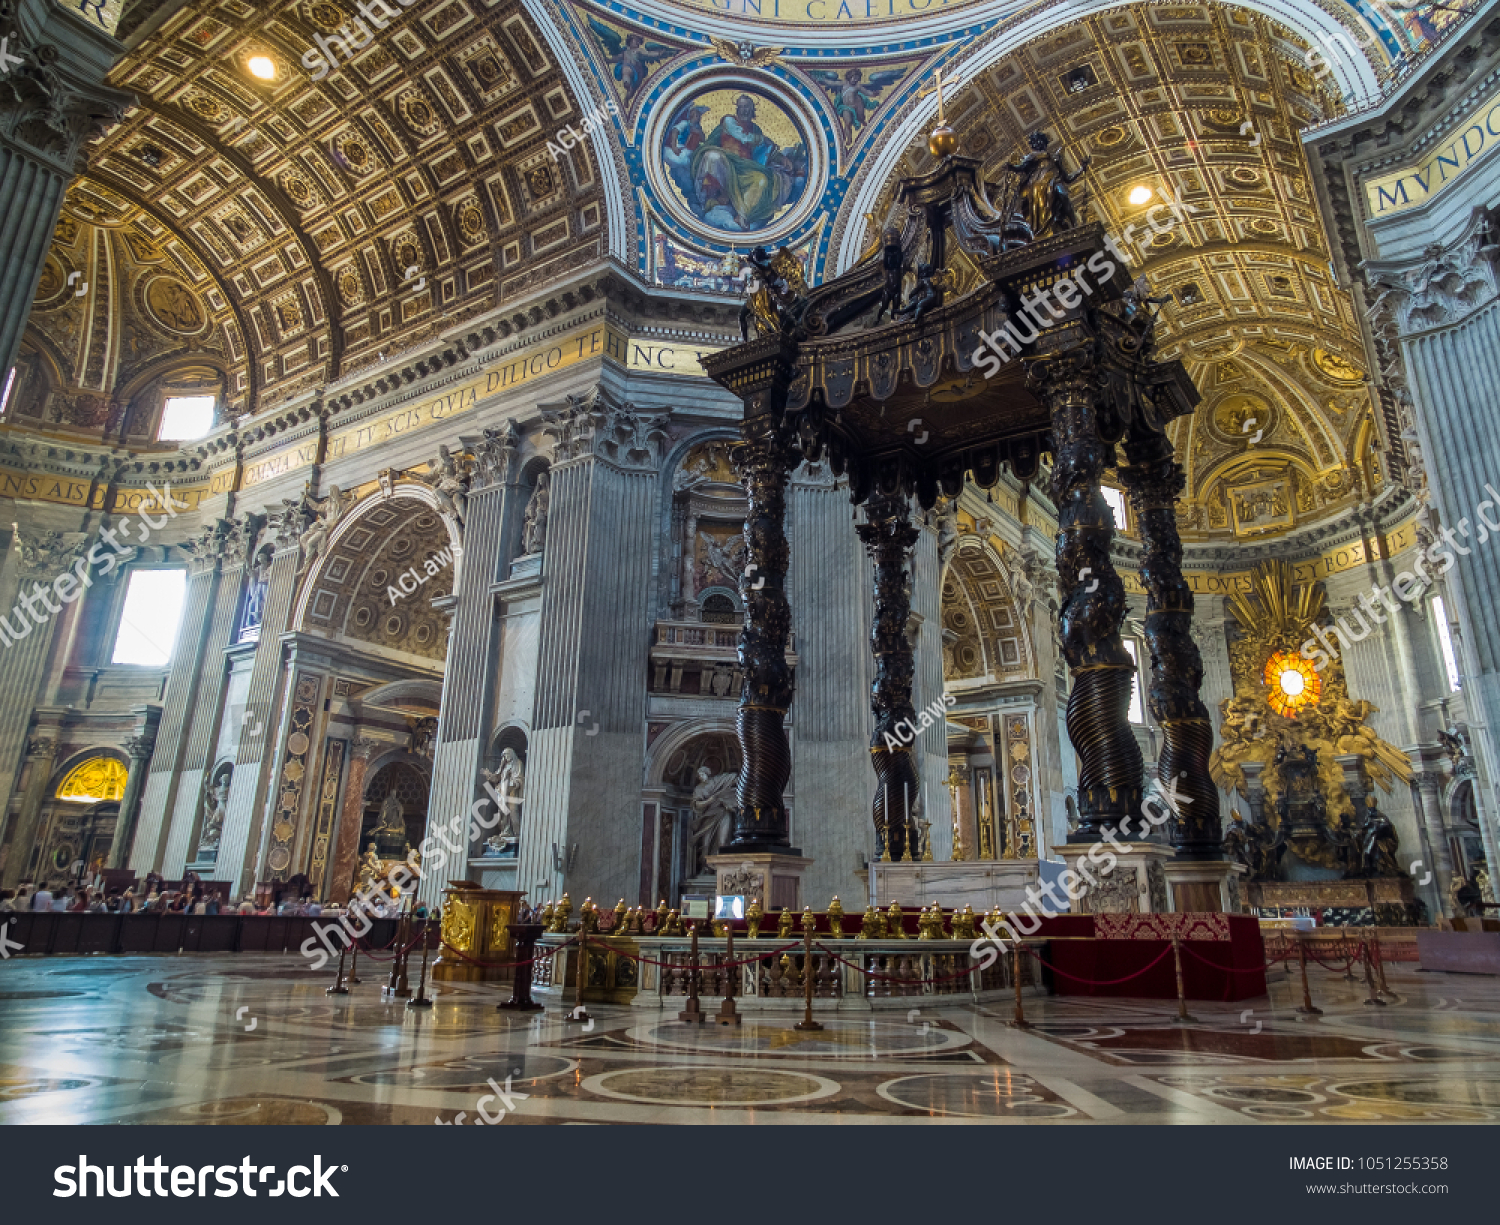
(214, 796)
(713, 811)
(510, 781)
(534, 529)
(512, 773)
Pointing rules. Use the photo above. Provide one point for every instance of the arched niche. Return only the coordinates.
(985, 636)
(384, 563)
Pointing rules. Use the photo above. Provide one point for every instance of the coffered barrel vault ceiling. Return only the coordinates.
(318, 219)
(1203, 105)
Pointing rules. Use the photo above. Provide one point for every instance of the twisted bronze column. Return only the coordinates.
(1093, 598)
(1155, 482)
(888, 534)
(760, 821)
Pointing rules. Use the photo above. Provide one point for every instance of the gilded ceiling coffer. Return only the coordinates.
(913, 408)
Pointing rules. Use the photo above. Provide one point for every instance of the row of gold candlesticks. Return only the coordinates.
(932, 922)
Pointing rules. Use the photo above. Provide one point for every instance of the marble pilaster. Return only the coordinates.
(32, 560)
(248, 804)
(203, 727)
(468, 684)
(139, 749)
(179, 699)
(41, 751)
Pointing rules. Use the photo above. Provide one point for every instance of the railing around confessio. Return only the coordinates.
(769, 972)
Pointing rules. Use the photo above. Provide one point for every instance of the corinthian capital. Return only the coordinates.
(44, 554)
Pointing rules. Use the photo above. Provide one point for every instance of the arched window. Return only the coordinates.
(94, 780)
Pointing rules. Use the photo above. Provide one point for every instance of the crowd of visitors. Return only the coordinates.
(57, 896)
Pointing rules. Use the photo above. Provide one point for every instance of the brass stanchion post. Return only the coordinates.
(1020, 1021)
(393, 982)
(338, 987)
(403, 983)
(727, 1014)
(354, 979)
(1380, 971)
(1372, 998)
(693, 1013)
(580, 1013)
(420, 1000)
(1348, 957)
(1182, 1012)
(1307, 1008)
(807, 1023)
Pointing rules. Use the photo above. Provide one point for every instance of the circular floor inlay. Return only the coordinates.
(837, 1039)
(471, 1073)
(997, 1093)
(710, 1086)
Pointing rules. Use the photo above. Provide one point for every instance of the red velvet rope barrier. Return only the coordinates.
(1227, 969)
(889, 978)
(1092, 982)
(374, 956)
(1354, 956)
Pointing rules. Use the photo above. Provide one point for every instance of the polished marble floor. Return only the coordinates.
(251, 1039)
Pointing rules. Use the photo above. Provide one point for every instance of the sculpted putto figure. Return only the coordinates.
(449, 484)
(326, 514)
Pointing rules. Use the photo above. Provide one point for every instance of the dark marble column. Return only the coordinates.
(1155, 482)
(888, 535)
(760, 821)
(1093, 598)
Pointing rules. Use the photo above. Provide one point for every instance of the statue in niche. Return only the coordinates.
(1046, 203)
(390, 829)
(326, 514)
(510, 781)
(449, 484)
(215, 795)
(422, 736)
(534, 527)
(713, 812)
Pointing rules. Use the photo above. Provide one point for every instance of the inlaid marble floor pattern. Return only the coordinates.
(245, 1039)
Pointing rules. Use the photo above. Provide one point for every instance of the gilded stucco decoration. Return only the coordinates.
(1273, 620)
